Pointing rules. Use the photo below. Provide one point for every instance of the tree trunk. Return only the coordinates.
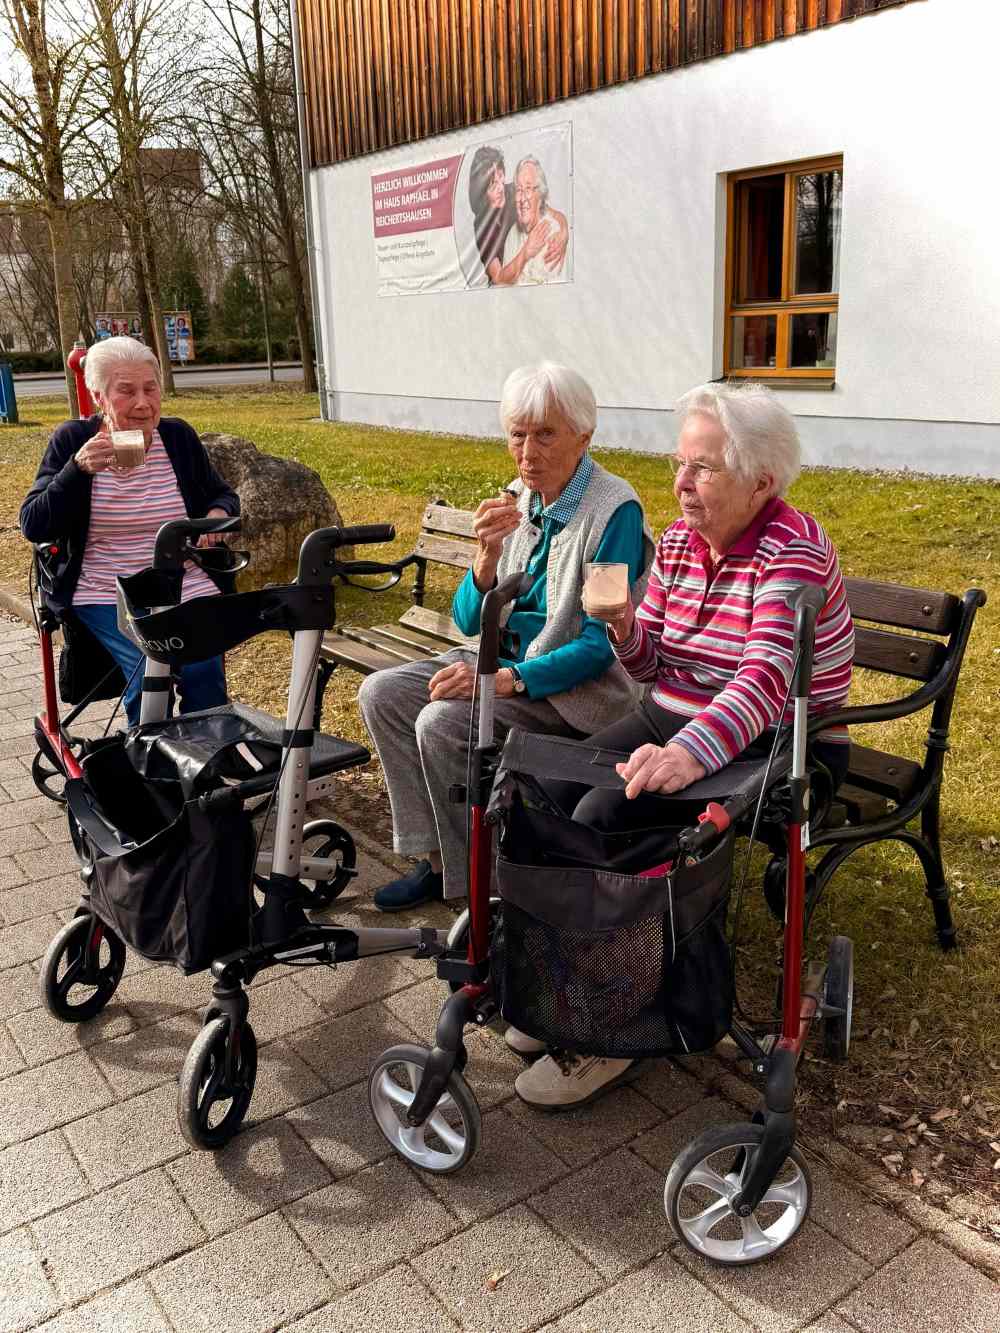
(139, 278)
(62, 264)
(302, 324)
(150, 270)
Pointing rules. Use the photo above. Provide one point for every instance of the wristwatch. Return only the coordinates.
(519, 685)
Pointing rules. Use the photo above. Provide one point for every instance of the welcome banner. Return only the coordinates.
(498, 215)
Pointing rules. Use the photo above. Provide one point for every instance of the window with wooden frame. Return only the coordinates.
(783, 271)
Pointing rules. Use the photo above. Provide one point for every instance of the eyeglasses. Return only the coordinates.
(699, 471)
(526, 191)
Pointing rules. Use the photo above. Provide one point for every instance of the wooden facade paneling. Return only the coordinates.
(383, 72)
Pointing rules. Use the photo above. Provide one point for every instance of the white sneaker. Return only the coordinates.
(558, 1082)
(521, 1044)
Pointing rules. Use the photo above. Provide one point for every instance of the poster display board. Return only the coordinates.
(500, 214)
(176, 325)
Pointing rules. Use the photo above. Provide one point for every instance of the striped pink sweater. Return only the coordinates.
(717, 643)
(127, 509)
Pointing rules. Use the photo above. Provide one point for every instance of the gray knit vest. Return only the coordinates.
(595, 703)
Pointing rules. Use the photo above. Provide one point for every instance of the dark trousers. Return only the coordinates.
(612, 811)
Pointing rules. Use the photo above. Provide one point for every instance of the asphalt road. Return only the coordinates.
(35, 388)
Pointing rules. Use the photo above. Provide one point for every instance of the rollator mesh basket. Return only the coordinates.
(590, 956)
(177, 887)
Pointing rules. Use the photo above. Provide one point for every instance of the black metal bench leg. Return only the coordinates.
(929, 851)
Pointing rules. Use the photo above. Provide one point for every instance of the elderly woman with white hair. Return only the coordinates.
(713, 639)
(107, 516)
(558, 671)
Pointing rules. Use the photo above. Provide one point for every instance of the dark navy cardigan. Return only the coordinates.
(57, 508)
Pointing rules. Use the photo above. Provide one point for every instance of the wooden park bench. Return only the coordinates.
(916, 636)
(445, 539)
(884, 793)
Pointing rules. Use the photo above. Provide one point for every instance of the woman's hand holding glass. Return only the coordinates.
(97, 455)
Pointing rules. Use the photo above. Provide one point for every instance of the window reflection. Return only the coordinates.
(817, 231)
(755, 340)
(814, 341)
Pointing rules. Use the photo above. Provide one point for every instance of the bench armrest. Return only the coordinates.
(941, 686)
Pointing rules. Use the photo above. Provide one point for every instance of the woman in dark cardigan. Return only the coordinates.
(106, 516)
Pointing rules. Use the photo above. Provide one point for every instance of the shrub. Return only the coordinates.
(23, 363)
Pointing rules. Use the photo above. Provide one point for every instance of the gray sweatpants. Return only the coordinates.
(424, 750)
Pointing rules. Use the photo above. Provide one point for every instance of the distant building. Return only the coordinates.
(102, 260)
(817, 212)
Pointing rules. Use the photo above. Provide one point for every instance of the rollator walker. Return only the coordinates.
(615, 945)
(161, 817)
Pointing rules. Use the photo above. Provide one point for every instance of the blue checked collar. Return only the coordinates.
(562, 510)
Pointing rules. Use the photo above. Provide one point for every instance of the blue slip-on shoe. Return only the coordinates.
(421, 885)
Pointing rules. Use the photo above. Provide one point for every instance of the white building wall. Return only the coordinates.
(906, 95)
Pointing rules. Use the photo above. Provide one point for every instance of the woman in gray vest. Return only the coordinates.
(558, 671)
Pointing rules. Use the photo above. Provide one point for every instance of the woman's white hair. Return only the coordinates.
(110, 355)
(760, 433)
(530, 393)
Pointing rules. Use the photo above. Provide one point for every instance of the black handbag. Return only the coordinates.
(85, 664)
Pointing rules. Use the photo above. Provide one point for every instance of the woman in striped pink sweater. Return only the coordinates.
(107, 516)
(713, 637)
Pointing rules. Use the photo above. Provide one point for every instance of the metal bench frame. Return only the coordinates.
(883, 793)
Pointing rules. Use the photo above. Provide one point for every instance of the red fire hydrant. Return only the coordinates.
(75, 362)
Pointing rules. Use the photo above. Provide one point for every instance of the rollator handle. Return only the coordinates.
(169, 553)
(807, 601)
(514, 586)
(368, 534)
(318, 562)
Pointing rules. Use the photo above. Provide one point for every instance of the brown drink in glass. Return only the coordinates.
(129, 447)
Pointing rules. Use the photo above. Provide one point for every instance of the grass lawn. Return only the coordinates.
(926, 1024)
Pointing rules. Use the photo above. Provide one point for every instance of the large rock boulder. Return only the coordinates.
(282, 500)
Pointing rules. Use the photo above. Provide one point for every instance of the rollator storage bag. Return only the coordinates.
(592, 956)
(171, 881)
(86, 668)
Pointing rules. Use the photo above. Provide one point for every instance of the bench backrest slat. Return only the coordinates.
(897, 654)
(441, 518)
(906, 608)
(443, 552)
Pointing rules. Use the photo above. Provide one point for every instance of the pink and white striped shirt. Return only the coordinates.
(127, 509)
(717, 641)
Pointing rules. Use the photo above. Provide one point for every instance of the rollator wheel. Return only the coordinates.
(838, 992)
(450, 1135)
(709, 1173)
(81, 969)
(210, 1105)
(325, 839)
(49, 780)
(458, 936)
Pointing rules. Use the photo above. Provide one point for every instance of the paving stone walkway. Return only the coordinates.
(307, 1222)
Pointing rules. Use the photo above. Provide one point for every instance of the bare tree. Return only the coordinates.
(27, 289)
(136, 49)
(247, 124)
(102, 262)
(41, 125)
